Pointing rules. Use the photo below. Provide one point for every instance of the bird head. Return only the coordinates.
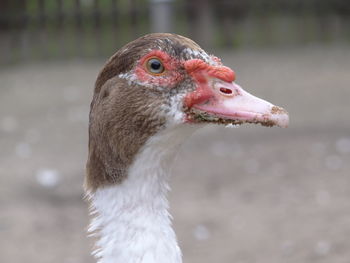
(158, 81)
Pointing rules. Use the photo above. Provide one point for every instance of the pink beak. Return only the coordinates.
(220, 97)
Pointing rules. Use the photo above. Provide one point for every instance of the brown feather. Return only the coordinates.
(121, 120)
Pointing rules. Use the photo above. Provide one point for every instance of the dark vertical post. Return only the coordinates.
(13, 29)
(4, 14)
(41, 9)
(18, 20)
(79, 28)
(24, 34)
(42, 20)
(114, 14)
(97, 25)
(16, 15)
(133, 13)
(5, 32)
(232, 13)
(96, 14)
(60, 19)
(59, 13)
(78, 15)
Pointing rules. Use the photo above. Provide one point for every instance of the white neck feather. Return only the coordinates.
(131, 219)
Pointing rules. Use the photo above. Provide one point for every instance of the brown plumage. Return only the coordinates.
(120, 121)
(148, 98)
(121, 118)
(125, 58)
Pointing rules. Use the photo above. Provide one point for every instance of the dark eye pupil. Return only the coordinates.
(155, 65)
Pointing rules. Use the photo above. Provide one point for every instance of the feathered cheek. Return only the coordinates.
(170, 78)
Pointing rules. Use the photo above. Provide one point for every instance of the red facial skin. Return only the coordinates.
(170, 76)
(215, 92)
(199, 70)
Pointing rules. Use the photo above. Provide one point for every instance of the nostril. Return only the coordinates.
(226, 91)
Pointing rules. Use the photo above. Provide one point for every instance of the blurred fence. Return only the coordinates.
(31, 29)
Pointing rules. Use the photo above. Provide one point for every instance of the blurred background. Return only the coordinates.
(243, 195)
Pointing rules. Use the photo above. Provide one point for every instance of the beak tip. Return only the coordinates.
(280, 116)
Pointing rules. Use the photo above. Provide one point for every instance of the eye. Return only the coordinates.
(155, 66)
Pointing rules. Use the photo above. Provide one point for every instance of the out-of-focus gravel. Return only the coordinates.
(243, 195)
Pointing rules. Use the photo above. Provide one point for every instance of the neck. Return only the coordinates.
(131, 219)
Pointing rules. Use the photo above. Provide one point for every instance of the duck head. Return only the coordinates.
(156, 82)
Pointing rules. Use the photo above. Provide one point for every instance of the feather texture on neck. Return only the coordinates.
(131, 219)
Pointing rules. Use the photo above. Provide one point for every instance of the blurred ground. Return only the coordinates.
(243, 195)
